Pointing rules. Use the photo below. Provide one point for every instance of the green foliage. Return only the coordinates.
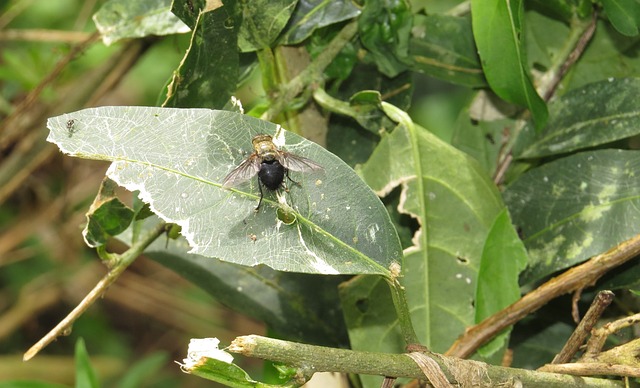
(539, 175)
(85, 375)
(497, 28)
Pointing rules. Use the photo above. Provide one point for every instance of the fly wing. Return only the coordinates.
(297, 163)
(245, 171)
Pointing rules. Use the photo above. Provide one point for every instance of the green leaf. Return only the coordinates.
(576, 207)
(107, 216)
(208, 73)
(498, 34)
(560, 9)
(455, 203)
(595, 114)
(503, 258)
(85, 375)
(384, 29)
(188, 10)
(262, 22)
(299, 307)
(624, 15)
(178, 160)
(227, 374)
(313, 14)
(443, 47)
(122, 19)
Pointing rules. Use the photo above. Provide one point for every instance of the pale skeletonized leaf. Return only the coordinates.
(178, 158)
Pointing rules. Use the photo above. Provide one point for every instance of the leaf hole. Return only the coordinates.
(362, 305)
(462, 260)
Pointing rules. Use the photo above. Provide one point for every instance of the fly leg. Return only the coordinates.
(261, 195)
(289, 178)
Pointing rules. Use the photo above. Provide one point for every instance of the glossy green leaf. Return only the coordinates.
(624, 15)
(227, 374)
(313, 14)
(85, 375)
(561, 9)
(262, 22)
(503, 258)
(178, 159)
(122, 19)
(497, 27)
(188, 10)
(107, 216)
(385, 28)
(595, 114)
(575, 207)
(208, 74)
(443, 47)
(298, 307)
(455, 203)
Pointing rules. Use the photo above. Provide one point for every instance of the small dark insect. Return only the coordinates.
(270, 164)
(71, 127)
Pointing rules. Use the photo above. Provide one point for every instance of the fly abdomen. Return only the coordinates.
(271, 174)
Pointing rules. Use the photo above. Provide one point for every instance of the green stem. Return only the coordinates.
(312, 74)
(404, 315)
(464, 373)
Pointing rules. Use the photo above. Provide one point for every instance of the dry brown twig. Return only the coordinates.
(576, 278)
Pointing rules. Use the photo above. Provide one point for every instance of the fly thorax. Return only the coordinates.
(268, 156)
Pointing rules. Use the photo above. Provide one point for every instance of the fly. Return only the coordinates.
(271, 165)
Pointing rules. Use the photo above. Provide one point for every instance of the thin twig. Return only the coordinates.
(124, 261)
(42, 35)
(580, 334)
(599, 336)
(592, 369)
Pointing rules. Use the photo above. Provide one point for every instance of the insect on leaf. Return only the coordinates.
(178, 158)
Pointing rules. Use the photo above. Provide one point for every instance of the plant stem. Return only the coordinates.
(120, 263)
(576, 278)
(312, 74)
(403, 313)
(463, 373)
(580, 334)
